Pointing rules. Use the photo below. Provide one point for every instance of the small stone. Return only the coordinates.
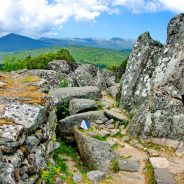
(153, 153)
(130, 164)
(111, 126)
(3, 84)
(139, 146)
(77, 177)
(99, 122)
(125, 138)
(114, 132)
(105, 132)
(123, 132)
(121, 127)
(136, 144)
(96, 176)
(109, 122)
(117, 124)
(180, 150)
(111, 142)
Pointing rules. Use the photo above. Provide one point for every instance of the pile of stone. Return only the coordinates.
(27, 134)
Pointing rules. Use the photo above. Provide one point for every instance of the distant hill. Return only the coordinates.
(13, 43)
(113, 43)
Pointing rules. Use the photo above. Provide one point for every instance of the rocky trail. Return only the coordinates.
(41, 111)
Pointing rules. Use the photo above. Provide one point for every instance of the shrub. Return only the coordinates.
(119, 70)
(63, 82)
(39, 62)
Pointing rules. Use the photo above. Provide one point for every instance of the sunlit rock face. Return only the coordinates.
(136, 81)
(157, 94)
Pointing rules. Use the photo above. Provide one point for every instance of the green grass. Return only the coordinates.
(60, 166)
(100, 138)
(115, 167)
(115, 146)
(149, 173)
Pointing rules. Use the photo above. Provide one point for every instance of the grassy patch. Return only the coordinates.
(63, 82)
(149, 173)
(20, 88)
(60, 169)
(153, 146)
(29, 79)
(100, 138)
(115, 146)
(115, 167)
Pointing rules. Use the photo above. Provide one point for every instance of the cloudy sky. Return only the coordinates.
(88, 18)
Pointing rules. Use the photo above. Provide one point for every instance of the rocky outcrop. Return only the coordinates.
(62, 66)
(85, 74)
(82, 75)
(158, 95)
(137, 79)
(27, 128)
(50, 78)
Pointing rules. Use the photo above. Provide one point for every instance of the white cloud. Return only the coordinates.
(39, 17)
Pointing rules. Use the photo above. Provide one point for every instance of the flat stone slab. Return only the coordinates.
(30, 116)
(98, 155)
(66, 125)
(96, 176)
(81, 105)
(166, 142)
(115, 115)
(130, 164)
(163, 176)
(11, 136)
(88, 92)
(159, 162)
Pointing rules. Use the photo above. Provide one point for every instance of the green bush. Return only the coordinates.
(63, 82)
(119, 70)
(39, 62)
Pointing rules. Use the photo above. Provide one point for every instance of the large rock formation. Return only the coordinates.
(136, 81)
(153, 83)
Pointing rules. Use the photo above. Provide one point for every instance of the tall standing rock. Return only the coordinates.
(161, 114)
(136, 81)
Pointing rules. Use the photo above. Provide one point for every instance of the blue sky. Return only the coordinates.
(88, 18)
(126, 25)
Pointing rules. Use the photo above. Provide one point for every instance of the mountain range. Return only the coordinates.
(13, 43)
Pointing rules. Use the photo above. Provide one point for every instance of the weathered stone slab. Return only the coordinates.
(81, 105)
(30, 116)
(96, 154)
(163, 176)
(61, 94)
(130, 164)
(96, 176)
(66, 125)
(115, 115)
(11, 136)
